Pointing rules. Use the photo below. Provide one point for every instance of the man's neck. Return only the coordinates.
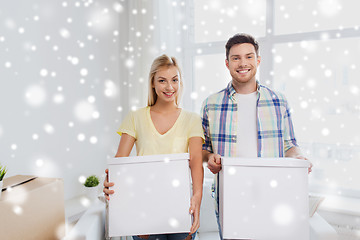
(245, 88)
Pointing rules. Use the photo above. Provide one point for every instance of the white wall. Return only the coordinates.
(70, 71)
(60, 66)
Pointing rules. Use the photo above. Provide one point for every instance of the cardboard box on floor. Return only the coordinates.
(32, 208)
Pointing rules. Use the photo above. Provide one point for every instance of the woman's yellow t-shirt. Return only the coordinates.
(149, 141)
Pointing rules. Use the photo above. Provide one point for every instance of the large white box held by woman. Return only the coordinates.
(264, 198)
(152, 195)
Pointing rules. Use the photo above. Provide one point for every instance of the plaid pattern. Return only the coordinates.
(274, 124)
(275, 129)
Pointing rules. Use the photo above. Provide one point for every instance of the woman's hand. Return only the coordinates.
(107, 184)
(195, 211)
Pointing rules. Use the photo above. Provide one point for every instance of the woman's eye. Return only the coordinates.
(175, 80)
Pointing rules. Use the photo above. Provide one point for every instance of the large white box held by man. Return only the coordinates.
(152, 195)
(264, 198)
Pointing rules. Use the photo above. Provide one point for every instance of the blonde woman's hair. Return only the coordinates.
(160, 62)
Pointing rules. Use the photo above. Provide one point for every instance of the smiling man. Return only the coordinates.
(246, 119)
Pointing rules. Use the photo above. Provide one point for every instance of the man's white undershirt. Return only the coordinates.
(246, 125)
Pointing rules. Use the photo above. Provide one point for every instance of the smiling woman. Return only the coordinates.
(164, 128)
(165, 77)
(166, 84)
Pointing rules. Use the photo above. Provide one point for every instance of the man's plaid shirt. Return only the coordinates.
(275, 133)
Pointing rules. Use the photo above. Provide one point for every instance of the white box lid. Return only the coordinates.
(265, 162)
(149, 158)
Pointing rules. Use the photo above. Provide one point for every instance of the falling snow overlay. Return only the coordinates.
(71, 70)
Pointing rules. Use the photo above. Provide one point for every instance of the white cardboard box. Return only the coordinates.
(264, 198)
(152, 195)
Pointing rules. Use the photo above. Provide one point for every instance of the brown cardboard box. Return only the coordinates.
(32, 208)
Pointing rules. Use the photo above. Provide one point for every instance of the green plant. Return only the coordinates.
(91, 181)
(3, 171)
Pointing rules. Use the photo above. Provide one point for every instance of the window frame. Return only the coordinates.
(267, 44)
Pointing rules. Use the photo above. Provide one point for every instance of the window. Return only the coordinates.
(211, 76)
(217, 20)
(309, 16)
(309, 51)
(320, 79)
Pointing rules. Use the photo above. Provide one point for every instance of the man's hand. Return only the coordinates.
(295, 152)
(214, 163)
(304, 158)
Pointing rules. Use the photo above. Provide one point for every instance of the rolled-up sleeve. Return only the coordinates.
(289, 134)
(205, 124)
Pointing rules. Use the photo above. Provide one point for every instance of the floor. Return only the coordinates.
(208, 236)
